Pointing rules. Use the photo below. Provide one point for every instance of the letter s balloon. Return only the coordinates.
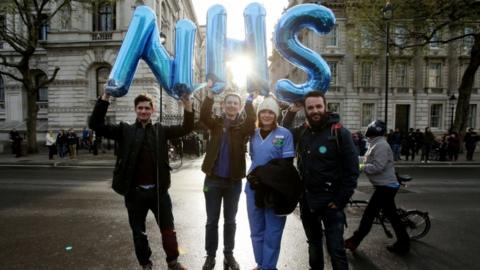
(314, 17)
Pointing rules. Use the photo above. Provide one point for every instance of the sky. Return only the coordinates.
(235, 26)
(235, 23)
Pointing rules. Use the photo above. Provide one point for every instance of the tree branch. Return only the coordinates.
(46, 82)
(11, 76)
(7, 64)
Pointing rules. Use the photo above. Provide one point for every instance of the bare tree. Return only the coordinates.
(428, 22)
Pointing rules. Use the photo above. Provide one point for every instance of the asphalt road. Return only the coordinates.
(69, 218)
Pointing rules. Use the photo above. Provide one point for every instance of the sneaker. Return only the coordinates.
(400, 250)
(176, 266)
(147, 266)
(350, 244)
(230, 263)
(209, 263)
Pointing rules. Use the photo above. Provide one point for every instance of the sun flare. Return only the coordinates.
(240, 67)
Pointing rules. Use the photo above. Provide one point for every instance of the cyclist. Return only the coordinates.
(379, 168)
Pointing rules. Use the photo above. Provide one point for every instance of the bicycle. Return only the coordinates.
(175, 157)
(415, 221)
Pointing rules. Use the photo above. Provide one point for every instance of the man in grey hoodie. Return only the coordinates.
(380, 170)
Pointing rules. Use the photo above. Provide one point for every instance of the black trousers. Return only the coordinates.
(382, 199)
(138, 202)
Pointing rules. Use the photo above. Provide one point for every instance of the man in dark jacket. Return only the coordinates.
(224, 167)
(470, 140)
(328, 165)
(142, 172)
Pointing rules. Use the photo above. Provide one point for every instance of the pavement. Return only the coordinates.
(107, 159)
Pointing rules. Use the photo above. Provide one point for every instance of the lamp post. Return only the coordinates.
(387, 13)
(163, 39)
(452, 108)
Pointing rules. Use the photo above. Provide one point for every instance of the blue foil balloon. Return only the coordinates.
(160, 62)
(215, 44)
(142, 41)
(185, 31)
(256, 47)
(314, 17)
(138, 35)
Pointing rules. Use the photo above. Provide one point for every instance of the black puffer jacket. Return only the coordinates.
(129, 138)
(327, 161)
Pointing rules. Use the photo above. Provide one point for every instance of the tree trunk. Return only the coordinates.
(465, 89)
(32, 111)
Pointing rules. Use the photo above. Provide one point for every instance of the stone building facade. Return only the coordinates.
(84, 44)
(421, 81)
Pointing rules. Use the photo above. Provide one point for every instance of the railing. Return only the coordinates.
(102, 35)
(366, 90)
(435, 90)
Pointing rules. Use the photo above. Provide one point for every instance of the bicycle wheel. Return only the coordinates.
(417, 223)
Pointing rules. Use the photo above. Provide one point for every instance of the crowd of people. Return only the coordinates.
(424, 145)
(67, 143)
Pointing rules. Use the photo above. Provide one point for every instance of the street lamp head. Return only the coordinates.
(387, 11)
(452, 97)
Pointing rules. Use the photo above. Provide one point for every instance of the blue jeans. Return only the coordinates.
(396, 151)
(216, 190)
(266, 231)
(333, 226)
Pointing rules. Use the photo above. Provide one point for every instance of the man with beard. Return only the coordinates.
(328, 165)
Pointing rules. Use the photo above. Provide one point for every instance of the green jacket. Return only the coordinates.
(238, 137)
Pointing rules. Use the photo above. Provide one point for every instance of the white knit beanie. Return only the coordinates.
(269, 103)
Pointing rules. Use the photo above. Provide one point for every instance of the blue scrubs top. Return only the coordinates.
(278, 144)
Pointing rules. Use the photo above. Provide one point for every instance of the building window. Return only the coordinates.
(2, 90)
(104, 18)
(332, 37)
(43, 28)
(333, 107)
(366, 38)
(435, 75)
(368, 113)
(101, 79)
(436, 111)
(401, 74)
(400, 35)
(42, 95)
(366, 74)
(435, 40)
(472, 116)
(468, 41)
(334, 72)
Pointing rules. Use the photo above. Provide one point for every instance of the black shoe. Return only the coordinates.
(209, 263)
(147, 266)
(229, 263)
(398, 249)
(176, 266)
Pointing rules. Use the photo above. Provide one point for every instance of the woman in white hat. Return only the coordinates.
(269, 141)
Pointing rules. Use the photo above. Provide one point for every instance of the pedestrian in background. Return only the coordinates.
(410, 145)
(428, 141)
(224, 167)
(380, 170)
(16, 141)
(328, 165)
(470, 140)
(269, 142)
(61, 143)
(418, 141)
(50, 143)
(72, 142)
(142, 173)
(453, 147)
(396, 144)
